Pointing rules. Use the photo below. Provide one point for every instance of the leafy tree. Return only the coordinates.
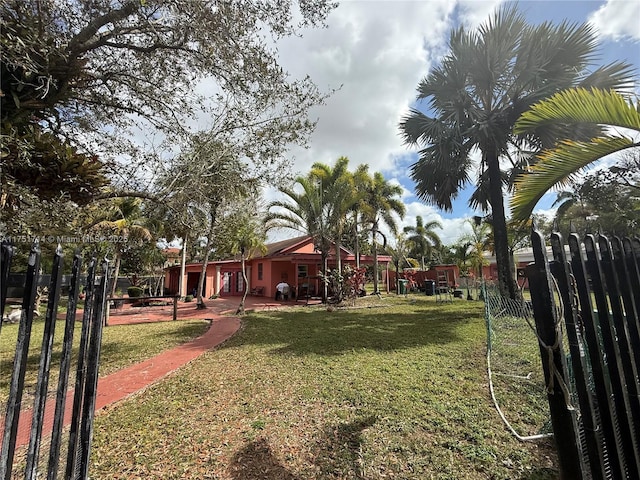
(423, 239)
(600, 203)
(477, 92)
(212, 177)
(379, 206)
(89, 71)
(246, 237)
(399, 256)
(560, 163)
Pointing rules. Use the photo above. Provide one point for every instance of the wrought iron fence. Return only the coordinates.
(588, 297)
(18, 436)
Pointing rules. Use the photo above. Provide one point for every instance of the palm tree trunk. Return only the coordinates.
(357, 242)
(116, 272)
(338, 255)
(183, 265)
(504, 261)
(240, 310)
(203, 273)
(375, 258)
(325, 256)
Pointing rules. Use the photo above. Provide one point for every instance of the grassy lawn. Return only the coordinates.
(122, 345)
(398, 390)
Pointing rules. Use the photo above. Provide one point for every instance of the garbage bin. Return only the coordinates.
(430, 287)
(403, 286)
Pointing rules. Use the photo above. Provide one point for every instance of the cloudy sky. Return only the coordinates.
(377, 52)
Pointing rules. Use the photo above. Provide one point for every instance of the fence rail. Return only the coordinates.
(588, 297)
(87, 360)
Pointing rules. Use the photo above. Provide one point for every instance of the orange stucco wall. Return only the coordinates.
(273, 272)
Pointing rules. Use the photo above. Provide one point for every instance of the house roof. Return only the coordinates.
(286, 246)
(298, 247)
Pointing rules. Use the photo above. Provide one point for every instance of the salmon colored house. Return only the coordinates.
(294, 261)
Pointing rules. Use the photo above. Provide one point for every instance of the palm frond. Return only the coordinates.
(579, 105)
(559, 165)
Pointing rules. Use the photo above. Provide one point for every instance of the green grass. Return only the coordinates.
(122, 345)
(398, 390)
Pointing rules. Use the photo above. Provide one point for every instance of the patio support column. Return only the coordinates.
(386, 276)
(216, 281)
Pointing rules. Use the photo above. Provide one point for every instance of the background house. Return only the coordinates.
(294, 261)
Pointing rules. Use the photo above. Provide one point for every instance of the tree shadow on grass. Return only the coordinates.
(338, 450)
(334, 333)
(256, 462)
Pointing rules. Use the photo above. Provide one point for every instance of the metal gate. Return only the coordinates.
(16, 419)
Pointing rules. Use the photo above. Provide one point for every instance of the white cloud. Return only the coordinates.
(452, 228)
(617, 19)
(473, 12)
(376, 53)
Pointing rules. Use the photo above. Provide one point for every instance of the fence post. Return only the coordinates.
(14, 403)
(6, 254)
(608, 421)
(579, 362)
(46, 352)
(620, 399)
(554, 363)
(65, 367)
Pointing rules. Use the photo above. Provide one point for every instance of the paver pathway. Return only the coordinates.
(119, 385)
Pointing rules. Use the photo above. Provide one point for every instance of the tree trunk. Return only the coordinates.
(375, 258)
(338, 254)
(357, 241)
(205, 260)
(397, 265)
(182, 285)
(240, 310)
(504, 261)
(116, 272)
(325, 294)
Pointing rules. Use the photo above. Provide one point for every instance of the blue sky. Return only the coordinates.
(377, 52)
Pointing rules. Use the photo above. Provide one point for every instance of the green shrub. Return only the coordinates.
(188, 298)
(134, 292)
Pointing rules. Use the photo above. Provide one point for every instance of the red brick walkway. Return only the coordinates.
(121, 384)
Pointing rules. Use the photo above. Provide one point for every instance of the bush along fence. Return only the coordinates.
(590, 354)
(40, 432)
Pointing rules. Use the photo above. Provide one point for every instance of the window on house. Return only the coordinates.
(260, 271)
(303, 271)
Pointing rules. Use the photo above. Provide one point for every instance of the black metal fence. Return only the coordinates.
(586, 303)
(79, 432)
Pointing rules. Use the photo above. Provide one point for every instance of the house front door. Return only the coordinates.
(232, 283)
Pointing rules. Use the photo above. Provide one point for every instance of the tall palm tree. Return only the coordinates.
(381, 203)
(478, 243)
(557, 165)
(489, 77)
(359, 181)
(423, 239)
(304, 210)
(123, 220)
(337, 192)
